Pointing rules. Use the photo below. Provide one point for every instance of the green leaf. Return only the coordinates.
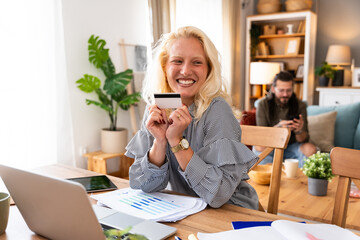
(103, 106)
(108, 68)
(103, 97)
(88, 83)
(118, 82)
(318, 165)
(130, 99)
(98, 54)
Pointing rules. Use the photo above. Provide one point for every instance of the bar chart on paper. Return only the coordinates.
(147, 203)
(156, 206)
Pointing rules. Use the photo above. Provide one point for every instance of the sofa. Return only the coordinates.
(329, 126)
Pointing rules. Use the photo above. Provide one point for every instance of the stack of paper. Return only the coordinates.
(154, 206)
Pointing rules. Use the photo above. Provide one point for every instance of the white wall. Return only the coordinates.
(111, 20)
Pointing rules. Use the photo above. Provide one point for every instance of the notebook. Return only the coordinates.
(60, 209)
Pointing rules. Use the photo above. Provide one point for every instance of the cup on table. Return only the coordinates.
(4, 211)
(290, 167)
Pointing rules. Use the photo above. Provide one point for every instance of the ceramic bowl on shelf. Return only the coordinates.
(261, 174)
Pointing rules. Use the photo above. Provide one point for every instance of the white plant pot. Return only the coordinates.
(114, 141)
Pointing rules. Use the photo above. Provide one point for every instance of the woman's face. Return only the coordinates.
(186, 68)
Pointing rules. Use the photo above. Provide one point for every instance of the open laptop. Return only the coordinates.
(60, 209)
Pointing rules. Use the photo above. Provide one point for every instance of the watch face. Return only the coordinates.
(185, 143)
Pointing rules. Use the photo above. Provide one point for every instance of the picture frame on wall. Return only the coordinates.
(292, 46)
(356, 77)
(300, 71)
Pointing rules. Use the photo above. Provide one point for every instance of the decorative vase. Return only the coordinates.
(323, 81)
(114, 141)
(317, 187)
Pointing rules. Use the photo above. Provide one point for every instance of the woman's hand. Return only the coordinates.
(157, 123)
(178, 122)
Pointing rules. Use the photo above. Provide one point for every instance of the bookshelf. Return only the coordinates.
(291, 50)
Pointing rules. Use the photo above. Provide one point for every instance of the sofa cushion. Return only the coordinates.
(347, 121)
(321, 129)
(357, 137)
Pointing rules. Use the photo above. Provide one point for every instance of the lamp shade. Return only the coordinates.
(338, 55)
(263, 72)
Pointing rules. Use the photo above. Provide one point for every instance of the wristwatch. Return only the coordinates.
(183, 145)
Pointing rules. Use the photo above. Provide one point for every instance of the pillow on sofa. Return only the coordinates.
(248, 117)
(321, 130)
(347, 121)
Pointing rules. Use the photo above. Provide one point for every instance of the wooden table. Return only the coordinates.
(295, 200)
(209, 220)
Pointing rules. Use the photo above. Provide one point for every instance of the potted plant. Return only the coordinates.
(112, 96)
(325, 73)
(318, 169)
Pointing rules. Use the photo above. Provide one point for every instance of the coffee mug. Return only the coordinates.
(290, 167)
(4, 211)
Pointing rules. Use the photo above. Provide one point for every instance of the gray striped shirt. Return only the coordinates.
(216, 171)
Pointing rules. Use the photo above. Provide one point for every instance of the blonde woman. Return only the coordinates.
(196, 148)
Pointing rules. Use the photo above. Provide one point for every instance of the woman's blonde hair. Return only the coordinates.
(156, 81)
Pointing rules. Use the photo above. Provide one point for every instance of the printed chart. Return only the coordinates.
(155, 206)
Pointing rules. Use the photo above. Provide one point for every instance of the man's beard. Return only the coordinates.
(283, 100)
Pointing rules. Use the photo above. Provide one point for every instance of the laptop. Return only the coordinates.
(61, 209)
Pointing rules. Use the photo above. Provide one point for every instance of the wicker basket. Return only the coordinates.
(298, 5)
(268, 1)
(268, 7)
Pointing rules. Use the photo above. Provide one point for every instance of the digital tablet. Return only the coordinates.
(95, 183)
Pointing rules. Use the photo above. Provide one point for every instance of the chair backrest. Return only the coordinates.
(273, 139)
(345, 162)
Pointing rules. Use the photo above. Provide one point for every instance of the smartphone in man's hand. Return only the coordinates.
(292, 117)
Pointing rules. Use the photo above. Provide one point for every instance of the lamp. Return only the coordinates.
(263, 73)
(338, 55)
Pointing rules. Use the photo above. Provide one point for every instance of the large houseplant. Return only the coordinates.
(325, 73)
(113, 95)
(317, 168)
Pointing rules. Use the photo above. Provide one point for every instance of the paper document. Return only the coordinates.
(285, 230)
(155, 206)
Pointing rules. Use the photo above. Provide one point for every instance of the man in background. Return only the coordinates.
(281, 108)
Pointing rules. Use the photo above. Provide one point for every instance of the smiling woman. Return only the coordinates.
(196, 147)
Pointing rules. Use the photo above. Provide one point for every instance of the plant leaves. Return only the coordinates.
(103, 106)
(118, 82)
(88, 83)
(103, 97)
(108, 68)
(98, 54)
(130, 99)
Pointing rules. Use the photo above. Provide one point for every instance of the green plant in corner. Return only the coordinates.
(325, 70)
(318, 166)
(113, 95)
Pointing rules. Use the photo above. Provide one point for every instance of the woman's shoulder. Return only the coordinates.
(219, 107)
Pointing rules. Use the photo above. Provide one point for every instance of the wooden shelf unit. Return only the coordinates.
(277, 43)
(279, 56)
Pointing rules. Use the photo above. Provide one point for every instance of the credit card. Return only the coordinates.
(168, 100)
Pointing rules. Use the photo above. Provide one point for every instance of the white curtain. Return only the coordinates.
(35, 126)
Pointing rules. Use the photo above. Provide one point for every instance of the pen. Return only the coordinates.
(177, 238)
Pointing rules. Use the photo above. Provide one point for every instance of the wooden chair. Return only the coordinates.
(345, 162)
(273, 139)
